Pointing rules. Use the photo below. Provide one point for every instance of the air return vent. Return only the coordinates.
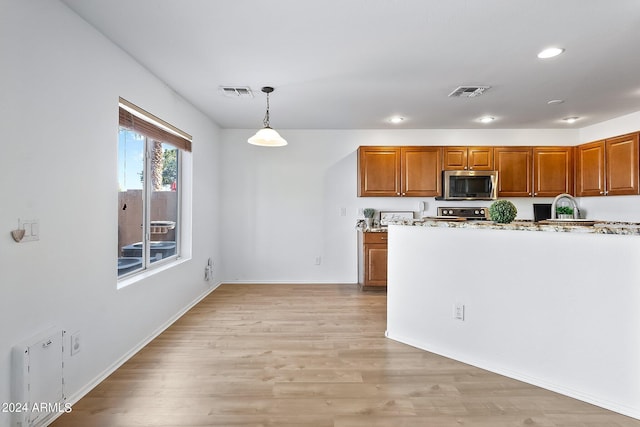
(468, 91)
(236, 92)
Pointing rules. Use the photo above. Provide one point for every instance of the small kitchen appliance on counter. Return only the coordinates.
(541, 211)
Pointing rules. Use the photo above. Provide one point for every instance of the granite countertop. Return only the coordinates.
(599, 227)
(376, 230)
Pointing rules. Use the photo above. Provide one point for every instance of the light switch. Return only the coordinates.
(35, 229)
(31, 230)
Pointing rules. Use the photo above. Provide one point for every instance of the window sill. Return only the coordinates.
(127, 281)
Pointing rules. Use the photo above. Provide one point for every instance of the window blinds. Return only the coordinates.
(138, 120)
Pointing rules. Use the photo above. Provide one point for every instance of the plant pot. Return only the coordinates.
(369, 222)
(565, 216)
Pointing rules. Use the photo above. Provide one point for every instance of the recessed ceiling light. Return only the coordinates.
(570, 119)
(396, 119)
(555, 101)
(486, 119)
(550, 52)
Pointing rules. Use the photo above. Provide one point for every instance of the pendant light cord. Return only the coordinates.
(266, 115)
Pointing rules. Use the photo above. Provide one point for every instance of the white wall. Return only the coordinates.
(58, 112)
(285, 203)
(282, 206)
(274, 212)
(618, 126)
(558, 310)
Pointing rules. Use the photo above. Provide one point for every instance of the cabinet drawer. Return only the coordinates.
(375, 237)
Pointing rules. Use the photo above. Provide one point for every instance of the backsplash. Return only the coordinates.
(613, 208)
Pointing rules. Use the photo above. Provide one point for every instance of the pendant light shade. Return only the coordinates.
(267, 137)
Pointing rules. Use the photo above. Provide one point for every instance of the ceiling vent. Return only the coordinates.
(236, 92)
(468, 91)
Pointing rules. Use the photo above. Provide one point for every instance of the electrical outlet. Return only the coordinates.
(75, 343)
(458, 311)
(318, 260)
(208, 270)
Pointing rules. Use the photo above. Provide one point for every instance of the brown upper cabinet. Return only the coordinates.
(399, 171)
(608, 167)
(552, 171)
(534, 171)
(514, 171)
(378, 171)
(590, 169)
(467, 158)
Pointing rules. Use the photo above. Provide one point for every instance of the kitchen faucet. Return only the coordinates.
(576, 211)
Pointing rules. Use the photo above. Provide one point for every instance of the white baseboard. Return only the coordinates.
(74, 398)
(283, 282)
(482, 364)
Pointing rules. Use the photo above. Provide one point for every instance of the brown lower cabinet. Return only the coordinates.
(372, 260)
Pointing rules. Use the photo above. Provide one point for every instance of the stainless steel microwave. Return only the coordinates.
(470, 185)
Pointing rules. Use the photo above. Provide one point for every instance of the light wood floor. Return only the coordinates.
(310, 355)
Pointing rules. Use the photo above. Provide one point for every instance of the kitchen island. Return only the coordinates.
(557, 226)
(558, 307)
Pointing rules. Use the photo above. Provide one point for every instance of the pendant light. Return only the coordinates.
(267, 137)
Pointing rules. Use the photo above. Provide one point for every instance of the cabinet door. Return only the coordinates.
(375, 264)
(467, 158)
(480, 158)
(421, 171)
(378, 171)
(552, 171)
(622, 165)
(590, 169)
(514, 171)
(454, 158)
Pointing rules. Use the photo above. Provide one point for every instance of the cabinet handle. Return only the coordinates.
(404, 194)
(535, 194)
(383, 238)
(602, 192)
(397, 194)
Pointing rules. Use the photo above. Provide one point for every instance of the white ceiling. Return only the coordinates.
(351, 64)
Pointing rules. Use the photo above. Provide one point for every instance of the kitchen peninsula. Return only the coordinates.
(554, 306)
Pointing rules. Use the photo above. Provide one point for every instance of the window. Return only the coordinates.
(150, 154)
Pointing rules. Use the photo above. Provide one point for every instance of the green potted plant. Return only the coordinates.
(502, 211)
(369, 213)
(564, 212)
